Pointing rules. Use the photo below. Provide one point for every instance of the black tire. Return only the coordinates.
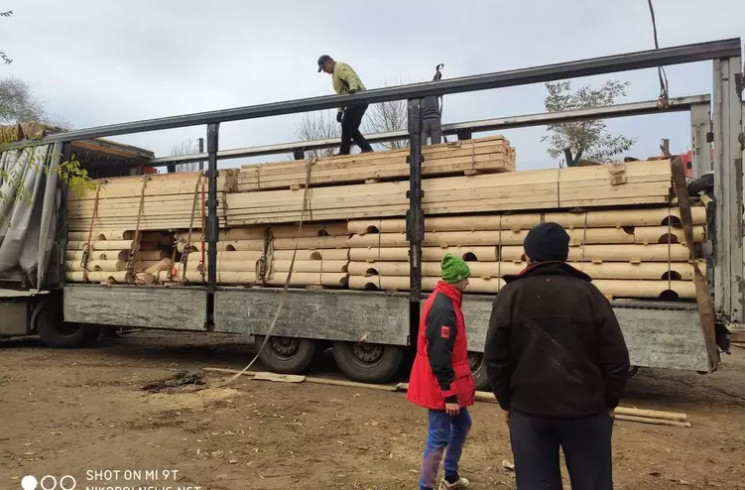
(55, 332)
(478, 370)
(368, 363)
(286, 355)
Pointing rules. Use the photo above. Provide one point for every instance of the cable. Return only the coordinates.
(660, 70)
(309, 163)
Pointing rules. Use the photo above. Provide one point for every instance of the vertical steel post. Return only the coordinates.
(200, 142)
(700, 147)
(213, 131)
(415, 216)
(729, 284)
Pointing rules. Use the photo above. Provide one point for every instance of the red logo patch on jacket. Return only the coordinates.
(445, 332)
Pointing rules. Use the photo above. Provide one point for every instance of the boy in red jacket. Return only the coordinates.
(441, 377)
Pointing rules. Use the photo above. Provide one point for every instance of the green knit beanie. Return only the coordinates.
(454, 269)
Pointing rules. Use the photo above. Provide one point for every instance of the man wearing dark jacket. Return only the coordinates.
(441, 378)
(558, 365)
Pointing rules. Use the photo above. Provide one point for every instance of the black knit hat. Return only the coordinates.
(547, 242)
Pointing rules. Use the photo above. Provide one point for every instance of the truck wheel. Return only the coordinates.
(286, 355)
(368, 363)
(55, 332)
(478, 370)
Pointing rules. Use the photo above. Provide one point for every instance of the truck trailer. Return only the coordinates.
(370, 331)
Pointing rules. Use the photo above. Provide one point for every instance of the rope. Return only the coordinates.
(310, 161)
(136, 243)
(187, 248)
(660, 69)
(87, 247)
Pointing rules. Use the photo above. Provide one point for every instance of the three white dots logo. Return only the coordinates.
(49, 482)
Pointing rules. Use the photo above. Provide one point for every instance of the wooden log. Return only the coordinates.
(162, 265)
(77, 255)
(607, 270)
(640, 235)
(97, 276)
(612, 253)
(487, 254)
(225, 246)
(319, 254)
(286, 231)
(311, 266)
(224, 265)
(97, 265)
(646, 289)
(592, 219)
(104, 245)
(223, 277)
(400, 283)
(328, 279)
(144, 278)
(154, 255)
(229, 256)
(310, 242)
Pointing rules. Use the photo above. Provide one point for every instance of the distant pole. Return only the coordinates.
(201, 150)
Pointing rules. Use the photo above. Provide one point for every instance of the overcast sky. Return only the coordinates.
(99, 62)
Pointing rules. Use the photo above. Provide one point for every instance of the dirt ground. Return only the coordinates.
(70, 412)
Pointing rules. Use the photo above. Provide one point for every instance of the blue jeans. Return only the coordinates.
(443, 431)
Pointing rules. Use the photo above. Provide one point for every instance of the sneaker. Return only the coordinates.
(461, 483)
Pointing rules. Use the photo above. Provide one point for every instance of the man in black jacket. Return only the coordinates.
(558, 365)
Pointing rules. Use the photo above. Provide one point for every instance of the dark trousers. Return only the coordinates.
(586, 443)
(432, 130)
(350, 129)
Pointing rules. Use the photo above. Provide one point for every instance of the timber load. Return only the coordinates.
(625, 230)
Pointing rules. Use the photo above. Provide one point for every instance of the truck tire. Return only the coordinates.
(48, 323)
(478, 370)
(368, 363)
(286, 355)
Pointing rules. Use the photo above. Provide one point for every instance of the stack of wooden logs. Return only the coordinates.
(628, 252)
(624, 232)
(108, 253)
(626, 184)
(168, 203)
(320, 261)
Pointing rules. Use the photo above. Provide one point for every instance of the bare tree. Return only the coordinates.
(4, 56)
(590, 139)
(388, 116)
(186, 147)
(18, 104)
(319, 126)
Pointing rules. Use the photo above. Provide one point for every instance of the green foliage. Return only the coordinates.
(589, 139)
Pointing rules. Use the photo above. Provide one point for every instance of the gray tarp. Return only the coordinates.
(21, 202)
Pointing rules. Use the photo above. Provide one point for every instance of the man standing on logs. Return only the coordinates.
(346, 81)
(441, 378)
(558, 365)
(432, 114)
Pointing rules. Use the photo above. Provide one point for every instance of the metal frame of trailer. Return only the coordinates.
(659, 334)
